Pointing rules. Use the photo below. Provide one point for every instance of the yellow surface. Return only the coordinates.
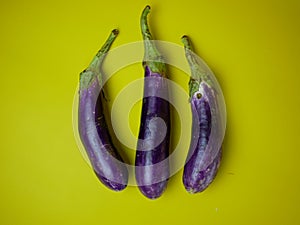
(253, 48)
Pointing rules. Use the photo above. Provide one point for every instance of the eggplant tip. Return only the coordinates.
(192, 190)
(153, 191)
(115, 186)
(112, 185)
(151, 196)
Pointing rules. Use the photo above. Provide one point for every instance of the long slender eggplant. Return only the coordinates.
(205, 150)
(105, 160)
(152, 165)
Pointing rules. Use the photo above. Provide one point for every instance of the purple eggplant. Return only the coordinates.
(205, 150)
(151, 162)
(105, 160)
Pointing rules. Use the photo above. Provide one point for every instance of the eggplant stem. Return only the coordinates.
(144, 24)
(98, 59)
(198, 73)
(94, 69)
(152, 58)
(195, 78)
(187, 43)
(189, 53)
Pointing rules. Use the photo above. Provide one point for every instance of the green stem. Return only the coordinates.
(199, 72)
(99, 57)
(190, 56)
(152, 58)
(94, 69)
(195, 78)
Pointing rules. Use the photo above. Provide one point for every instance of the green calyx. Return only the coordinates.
(94, 69)
(193, 87)
(198, 74)
(152, 58)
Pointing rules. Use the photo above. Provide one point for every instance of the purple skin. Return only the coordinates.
(205, 150)
(196, 179)
(105, 160)
(152, 166)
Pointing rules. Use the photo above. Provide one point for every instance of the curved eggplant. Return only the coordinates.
(152, 165)
(205, 150)
(105, 160)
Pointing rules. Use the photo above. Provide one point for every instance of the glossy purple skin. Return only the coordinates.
(203, 159)
(152, 165)
(94, 134)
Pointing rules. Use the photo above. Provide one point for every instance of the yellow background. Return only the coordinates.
(253, 48)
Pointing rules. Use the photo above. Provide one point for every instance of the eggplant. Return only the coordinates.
(92, 125)
(205, 151)
(151, 161)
